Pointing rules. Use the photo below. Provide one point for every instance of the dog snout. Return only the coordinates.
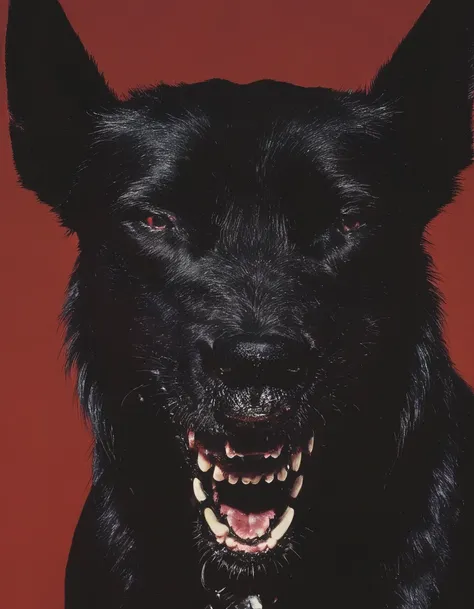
(248, 361)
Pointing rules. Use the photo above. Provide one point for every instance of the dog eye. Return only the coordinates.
(160, 221)
(349, 224)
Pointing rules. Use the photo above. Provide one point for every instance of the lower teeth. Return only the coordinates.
(219, 529)
(222, 532)
(283, 525)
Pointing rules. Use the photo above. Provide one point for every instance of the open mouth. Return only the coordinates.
(248, 496)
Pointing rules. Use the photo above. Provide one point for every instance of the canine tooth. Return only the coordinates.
(232, 479)
(219, 529)
(267, 455)
(271, 543)
(218, 474)
(311, 444)
(295, 491)
(276, 453)
(246, 480)
(229, 451)
(256, 479)
(296, 461)
(198, 490)
(191, 439)
(283, 525)
(230, 542)
(282, 474)
(269, 478)
(203, 463)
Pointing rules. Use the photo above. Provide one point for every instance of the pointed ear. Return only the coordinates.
(54, 88)
(428, 83)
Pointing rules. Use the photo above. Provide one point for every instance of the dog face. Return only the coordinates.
(251, 288)
(229, 289)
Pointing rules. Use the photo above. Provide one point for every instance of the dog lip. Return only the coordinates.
(258, 418)
(273, 451)
(230, 453)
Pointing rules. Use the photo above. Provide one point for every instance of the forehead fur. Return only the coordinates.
(263, 140)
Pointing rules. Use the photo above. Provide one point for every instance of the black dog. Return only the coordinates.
(255, 328)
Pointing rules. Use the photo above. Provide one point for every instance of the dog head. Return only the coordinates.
(252, 298)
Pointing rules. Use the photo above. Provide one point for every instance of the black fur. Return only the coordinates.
(291, 214)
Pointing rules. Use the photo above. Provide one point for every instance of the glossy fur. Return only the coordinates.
(290, 212)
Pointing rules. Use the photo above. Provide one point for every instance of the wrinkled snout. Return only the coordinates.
(257, 373)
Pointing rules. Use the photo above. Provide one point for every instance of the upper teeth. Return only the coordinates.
(199, 490)
(203, 463)
(296, 461)
(295, 491)
(218, 474)
(274, 453)
(229, 451)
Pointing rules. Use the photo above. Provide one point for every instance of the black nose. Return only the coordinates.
(245, 361)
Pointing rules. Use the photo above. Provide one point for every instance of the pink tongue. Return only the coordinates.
(247, 526)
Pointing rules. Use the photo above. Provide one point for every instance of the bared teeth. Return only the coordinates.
(203, 463)
(296, 461)
(230, 542)
(246, 480)
(218, 474)
(191, 439)
(269, 478)
(233, 479)
(282, 474)
(276, 453)
(229, 451)
(220, 530)
(283, 525)
(271, 543)
(311, 444)
(295, 491)
(199, 490)
(256, 479)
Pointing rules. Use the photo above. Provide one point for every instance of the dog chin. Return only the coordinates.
(247, 491)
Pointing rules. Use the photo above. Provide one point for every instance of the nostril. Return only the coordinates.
(246, 361)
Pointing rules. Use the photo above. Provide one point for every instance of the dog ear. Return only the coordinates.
(54, 88)
(428, 84)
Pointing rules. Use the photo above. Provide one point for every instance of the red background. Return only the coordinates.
(44, 446)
